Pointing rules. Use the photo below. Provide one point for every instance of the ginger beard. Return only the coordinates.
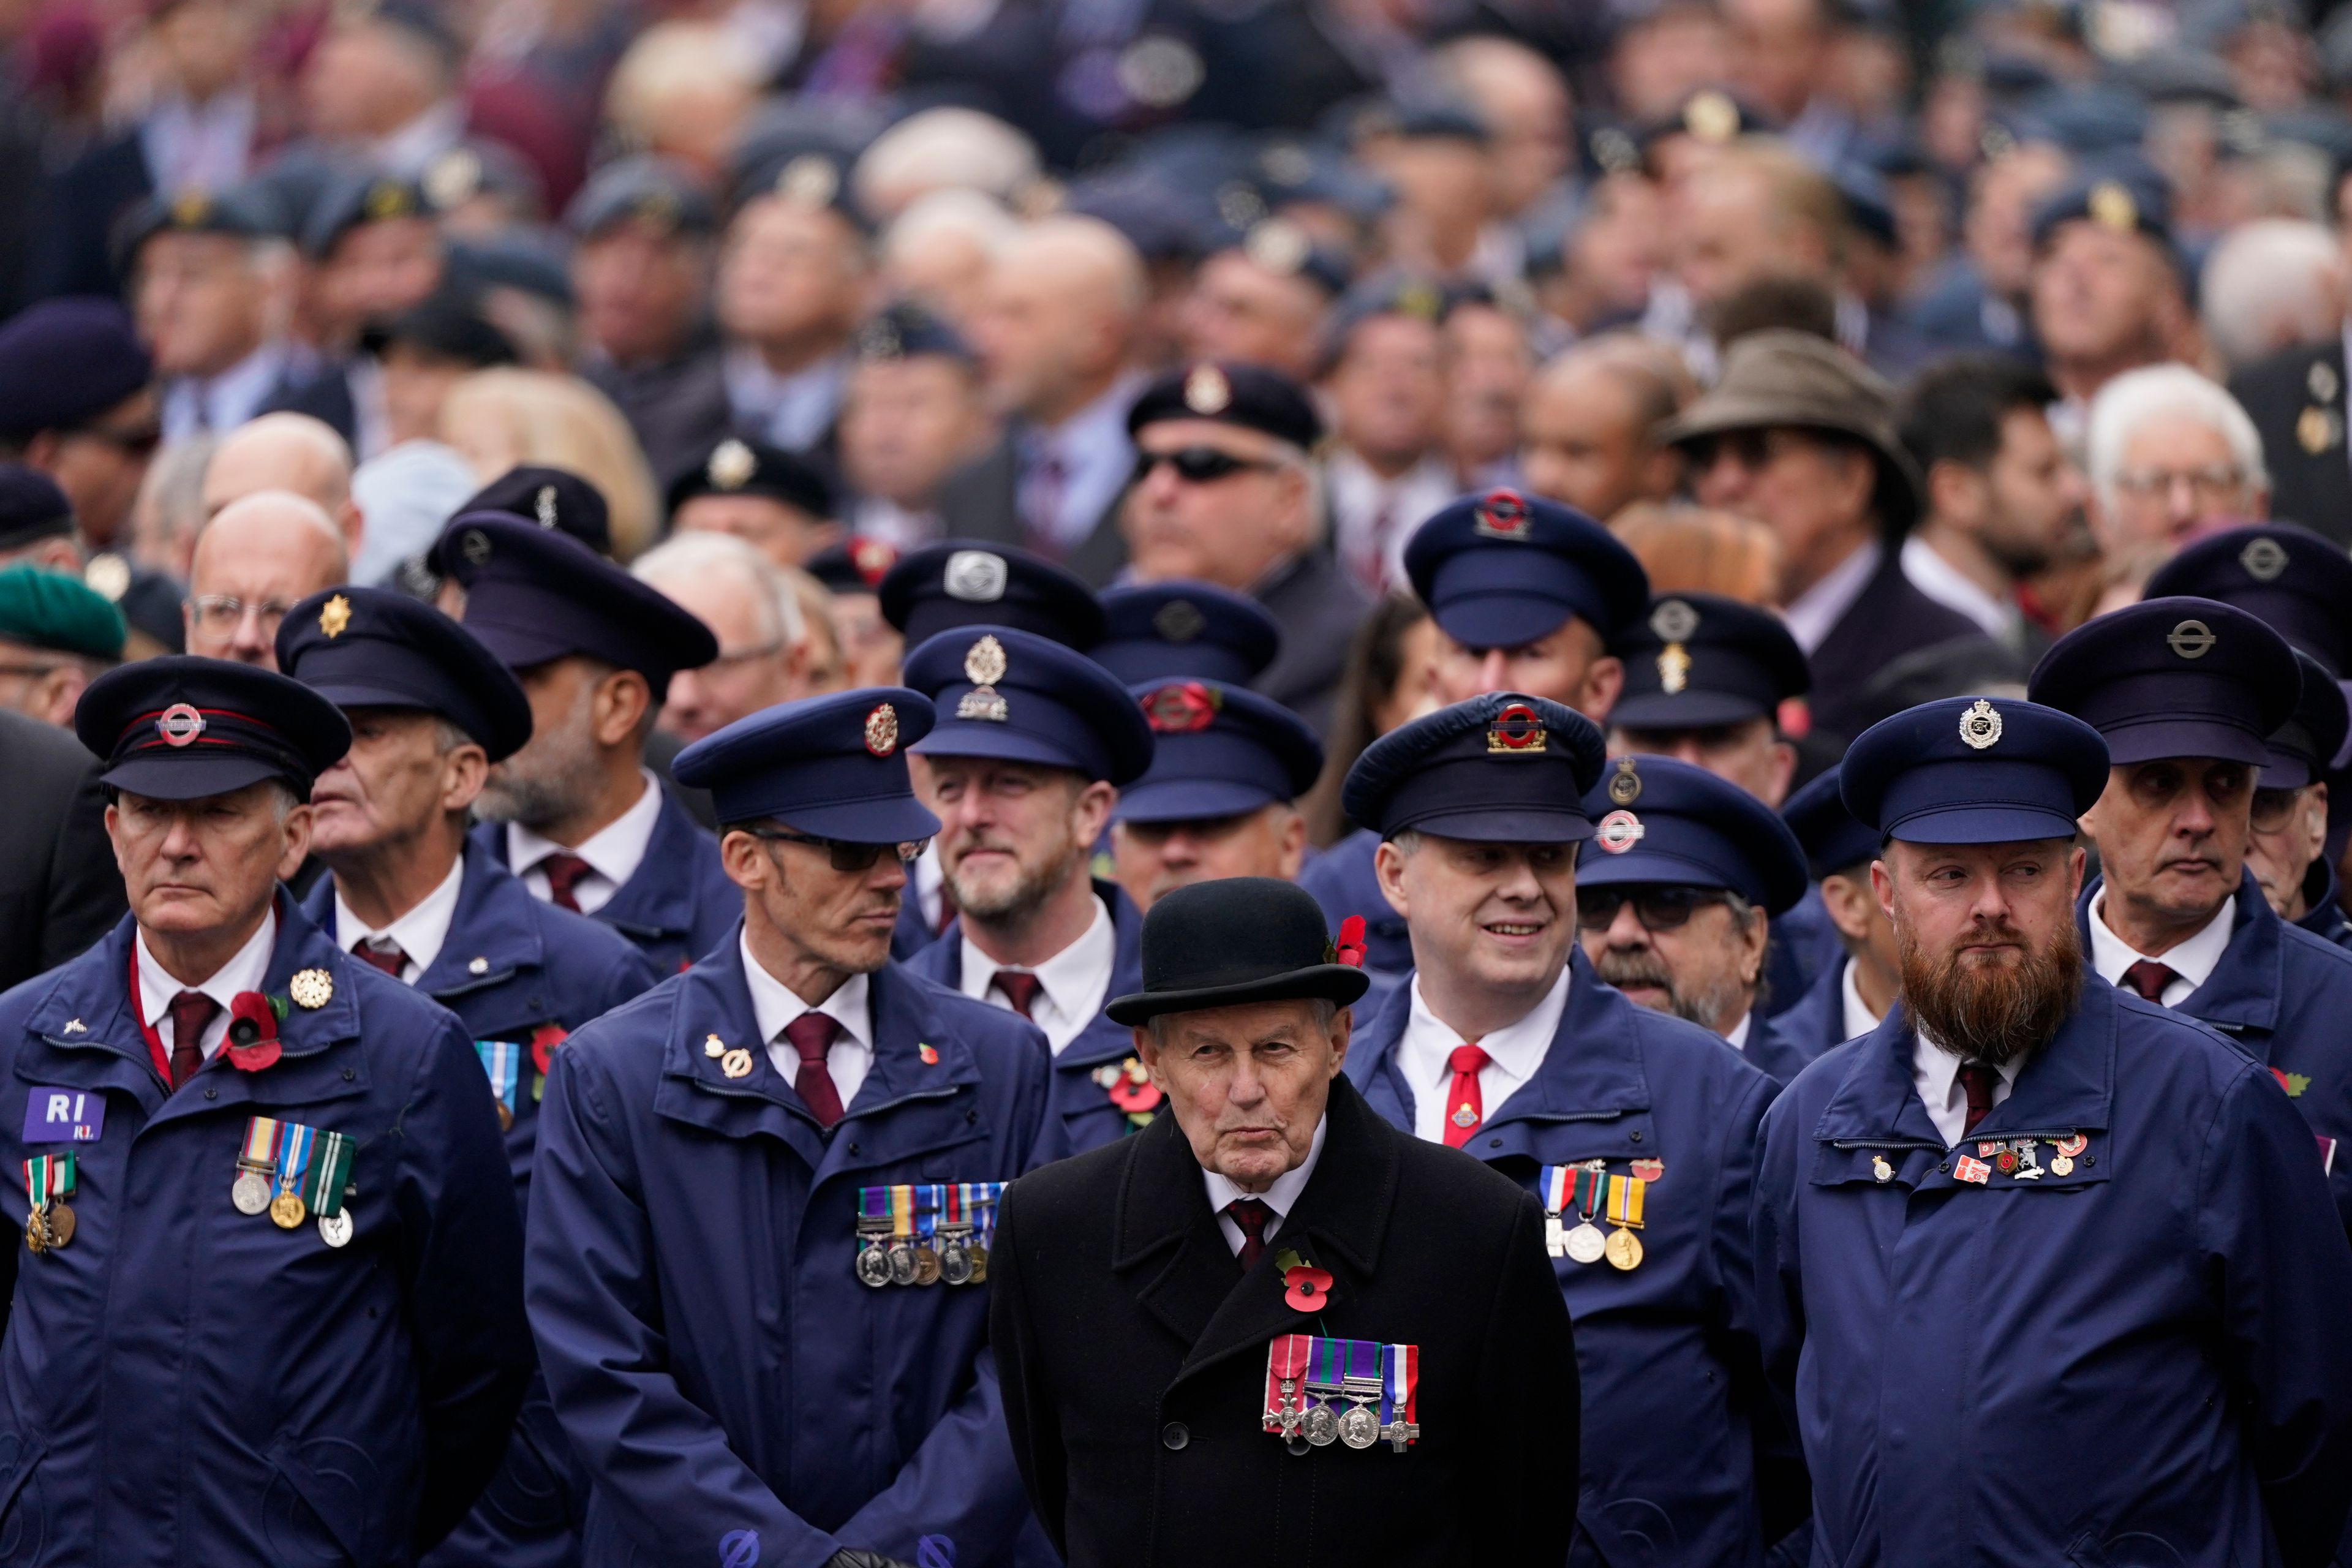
(1994, 1006)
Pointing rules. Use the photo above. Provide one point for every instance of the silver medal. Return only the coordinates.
(1360, 1428)
(873, 1267)
(902, 1264)
(955, 1264)
(1586, 1244)
(250, 1191)
(1321, 1427)
(335, 1229)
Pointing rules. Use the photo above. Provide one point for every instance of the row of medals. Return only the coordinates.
(961, 1258)
(251, 1194)
(1358, 1426)
(1585, 1244)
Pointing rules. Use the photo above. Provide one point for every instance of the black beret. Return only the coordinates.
(1249, 396)
(853, 565)
(741, 466)
(906, 330)
(32, 508)
(65, 361)
(248, 211)
(449, 324)
(552, 497)
(655, 192)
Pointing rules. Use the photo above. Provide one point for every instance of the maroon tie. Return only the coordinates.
(564, 870)
(1252, 1216)
(812, 1036)
(1976, 1081)
(1020, 988)
(192, 1011)
(387, 956)
(2149, 978)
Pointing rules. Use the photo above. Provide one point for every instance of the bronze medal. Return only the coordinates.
(286, 1211)
(979, 1263)
(60, 1222)
(927, 1266)
(1623, 1249)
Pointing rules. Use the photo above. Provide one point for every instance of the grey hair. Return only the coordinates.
(2273, 284)
(1407, 841)
(699, 552)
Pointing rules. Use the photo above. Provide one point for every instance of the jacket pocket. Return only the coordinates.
(318, 1504)
(24, 1522)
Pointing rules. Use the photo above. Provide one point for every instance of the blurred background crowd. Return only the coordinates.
(1935, 326)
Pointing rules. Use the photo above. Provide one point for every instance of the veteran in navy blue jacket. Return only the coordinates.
(431, 710)
(2187, 693)
(2047, 1273)
(575, 813)
(1033, 746)
(269, 1307)
(741, 1381)
(1634, 1128)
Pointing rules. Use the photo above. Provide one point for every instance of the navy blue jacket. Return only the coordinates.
(510, 966)
(2284, 996)
(187, 1384)
(1804, 942)
(1666, 1353)
(714, 1359)
(2142, 1361)
(1080, 1115)
(2323, 914)
(1786, 1043)
(678, 904)
(1344, 882)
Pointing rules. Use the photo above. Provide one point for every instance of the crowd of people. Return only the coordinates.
(1020, 674)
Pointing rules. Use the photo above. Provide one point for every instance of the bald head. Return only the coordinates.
(258, 557)
(1058, 314)
(291, 452)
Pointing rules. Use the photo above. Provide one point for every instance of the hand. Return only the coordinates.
(858, 1557)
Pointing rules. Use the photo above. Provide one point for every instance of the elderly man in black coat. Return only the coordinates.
(1268, 1327)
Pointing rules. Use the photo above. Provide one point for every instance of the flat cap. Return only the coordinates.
(1230, 392)
(1502, 768)
(44, 609)
(182, 728)
(1973, 770)
(1019, 697)
(2173, 678)
(832, 767)
(1667, 822)
(373, 647)
(1503, 569)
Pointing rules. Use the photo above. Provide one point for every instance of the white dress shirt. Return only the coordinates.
(245, 971)
(221, 403)
(1281, 1197)
(1514, 1053)
(1096, 459)
(1935, 1074)
(420, 932)
(613, 852)
(1738, 1038)
(1373, 517)
(2192, 961)
(793, 411)
(774, 1005)
(1859, 1019)
(205, 146)
(1955, 590)
(1073, 983)
(1818, 608)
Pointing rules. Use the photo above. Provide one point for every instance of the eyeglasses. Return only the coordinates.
(1658, 908)
(1750, 449)
(2273, 808)
(743, 656)
(846, 856)
(140, 442)
(2213, 482)
(220, 613)
(1199, 465)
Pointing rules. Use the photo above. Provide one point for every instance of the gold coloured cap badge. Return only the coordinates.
(1206, 390)
(731, 465)
(2112, 207)
(334, 616)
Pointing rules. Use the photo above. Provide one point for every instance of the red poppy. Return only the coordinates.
(543, 1041)
(252, 1032)
(1349, 949)
(1134, 1097)
(1304, 1288)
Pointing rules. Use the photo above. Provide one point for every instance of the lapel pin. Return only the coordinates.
(311, 988)
(76, 1027)
(479, 966)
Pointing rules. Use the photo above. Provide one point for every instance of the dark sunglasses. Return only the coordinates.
(140, 443)
(1198, 465)
(846, 856)
(1658, 908)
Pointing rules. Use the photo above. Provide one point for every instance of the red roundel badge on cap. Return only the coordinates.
(1181, 709)
(873, 558)
(180, 725)
(1518, 728)
(1503, 514)
(1618, 832)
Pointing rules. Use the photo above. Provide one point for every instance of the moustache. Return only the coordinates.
(1620, 969)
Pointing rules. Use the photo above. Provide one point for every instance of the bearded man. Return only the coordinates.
(2045, 1272)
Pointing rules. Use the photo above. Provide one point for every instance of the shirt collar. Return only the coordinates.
(1819, 607)
(1282, 1194)
(1859, 1019)
(1955, 589)
(420, 933)
(775, 1005)
(1934, 1069)
(2194, 960)
(1516, 1048)
(1072, 982)
(614, 851)
(1738, 1038)
(245, 971)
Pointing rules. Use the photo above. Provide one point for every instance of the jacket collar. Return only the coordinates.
(2068, 1086)
(657, 901)
(2244, 990)
(1101, 1040)
(494, 926)
(1169, 1247)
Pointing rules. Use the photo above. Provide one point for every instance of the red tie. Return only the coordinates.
(1020, 988)
(1252, 1217)
(1976, 1081)
(1464, 1108)
(812, 1036)
(564, 870)
(2149, 978)
(387, 956)
(192, 1011)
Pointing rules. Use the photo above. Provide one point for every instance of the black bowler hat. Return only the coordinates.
(834, 766)
(1249, 396)
(2301, 748)
(552, 497)
(1503, 768)
(1185, 630)
(2294, 582)
(371, 647)
(1232, 943)
(1834, 839)
(2173, 678)
(1699, 660)
(965, 583)
(1666, 822)
(182, 728)
(1502, 569)
(533, 594)
(736, 467)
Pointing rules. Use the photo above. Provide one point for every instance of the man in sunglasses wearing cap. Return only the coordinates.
(269, 1301)
(2045, 1273)
(766, 1193)
(1634, 1128)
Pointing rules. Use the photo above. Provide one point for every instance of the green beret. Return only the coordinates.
(51, 610)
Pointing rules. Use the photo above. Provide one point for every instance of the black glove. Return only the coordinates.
(858, 1557)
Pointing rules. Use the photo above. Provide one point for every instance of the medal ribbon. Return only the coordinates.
(294, 1161)
(1589, 1186)
(1329, 1361)
(1558, 1182)
(902, 1213)
(1364, 1363)
(1625, 1193)
(324, 1193)
(261, 1134)
(502, 1060)
(47, 1178)
(874, 1203)
(1399, 1378)
(927, 1212)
